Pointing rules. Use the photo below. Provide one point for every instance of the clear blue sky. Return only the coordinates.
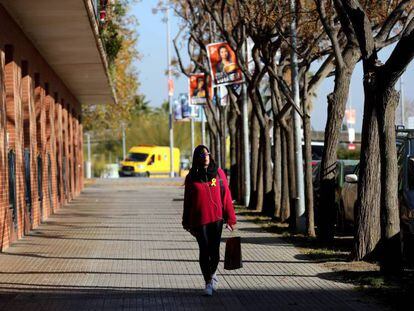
(152, 46)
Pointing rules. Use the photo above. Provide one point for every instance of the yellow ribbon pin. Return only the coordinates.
(213, 182)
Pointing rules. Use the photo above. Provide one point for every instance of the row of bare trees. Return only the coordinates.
(332, 37)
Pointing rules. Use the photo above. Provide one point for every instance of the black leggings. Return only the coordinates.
(208, 238)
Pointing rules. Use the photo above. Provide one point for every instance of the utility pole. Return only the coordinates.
(246, 150)
(300, 189)
(89, 162)
(192, 134)
(170, 93)
(123, 142)
(203, 126)
(402, 101)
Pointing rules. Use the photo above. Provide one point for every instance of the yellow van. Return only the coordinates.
(149, 160)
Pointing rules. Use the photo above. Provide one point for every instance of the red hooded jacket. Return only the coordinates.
(203, 203)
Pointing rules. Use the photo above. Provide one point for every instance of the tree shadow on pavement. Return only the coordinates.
(395, 293)
(81, 298)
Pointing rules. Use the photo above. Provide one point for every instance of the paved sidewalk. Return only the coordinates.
(120, 246)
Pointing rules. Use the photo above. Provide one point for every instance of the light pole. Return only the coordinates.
(123, 141)
(192, 134)
(203, 126)
(170, 93)
(300, 189)
(246, 150)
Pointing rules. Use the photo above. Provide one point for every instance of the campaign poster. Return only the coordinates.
(197, 89)
(177, 110)
(223, 64)
(185, 107)
(197, 112)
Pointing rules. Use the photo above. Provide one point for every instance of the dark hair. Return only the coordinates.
(197, 152)
(197, 172)
(228, 52)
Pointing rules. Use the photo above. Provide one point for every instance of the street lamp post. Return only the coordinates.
(300, 189)
(170, 93)
(203, 126)
(123, 141)
(192, 134)
(245, 131)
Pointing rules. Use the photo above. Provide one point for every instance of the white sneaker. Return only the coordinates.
(208, 291)
(214, 282)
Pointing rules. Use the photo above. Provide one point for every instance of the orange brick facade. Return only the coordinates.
(40, 132)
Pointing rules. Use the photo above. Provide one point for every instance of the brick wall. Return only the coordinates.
(40, 115)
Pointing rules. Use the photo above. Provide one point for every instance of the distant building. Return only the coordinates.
(51, 63)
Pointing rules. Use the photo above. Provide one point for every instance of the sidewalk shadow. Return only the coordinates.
(101, 297)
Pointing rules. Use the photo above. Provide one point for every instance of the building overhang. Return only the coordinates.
(67, 36)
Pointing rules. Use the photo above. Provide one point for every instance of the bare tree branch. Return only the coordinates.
(331, 32)
(392, 19)
(401, 56)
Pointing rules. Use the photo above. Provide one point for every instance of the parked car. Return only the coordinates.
(405, 149)
(343, 168)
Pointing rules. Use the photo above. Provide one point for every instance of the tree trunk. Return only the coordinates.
(336, 110)
(310, 223)
(260, 177)
(213, 143)
(240, 159)
(368, 230)
(277, 170)
(280, 192)
(290, 142)
(223, 116)
(254, 165)
(285, 195)
(268, 201)
(391, 256)
(232, 125)
(212, 131)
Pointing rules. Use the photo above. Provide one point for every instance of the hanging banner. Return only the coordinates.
(223, 64)
(197, 89)
(177, 110)
(196, 112)
(185, 107)
(182, 110)
(350, 115)
(170, 87)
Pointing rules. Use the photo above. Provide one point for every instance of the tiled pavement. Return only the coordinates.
(120, 246)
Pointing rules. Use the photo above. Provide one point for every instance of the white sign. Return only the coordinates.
(224, 96)
(351, 134)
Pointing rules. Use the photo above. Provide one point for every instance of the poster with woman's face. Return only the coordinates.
(197, 89)
(223, 64)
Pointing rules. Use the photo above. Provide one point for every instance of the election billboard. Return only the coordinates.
(223, 64)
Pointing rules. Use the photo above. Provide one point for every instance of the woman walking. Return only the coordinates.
(207, 204)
